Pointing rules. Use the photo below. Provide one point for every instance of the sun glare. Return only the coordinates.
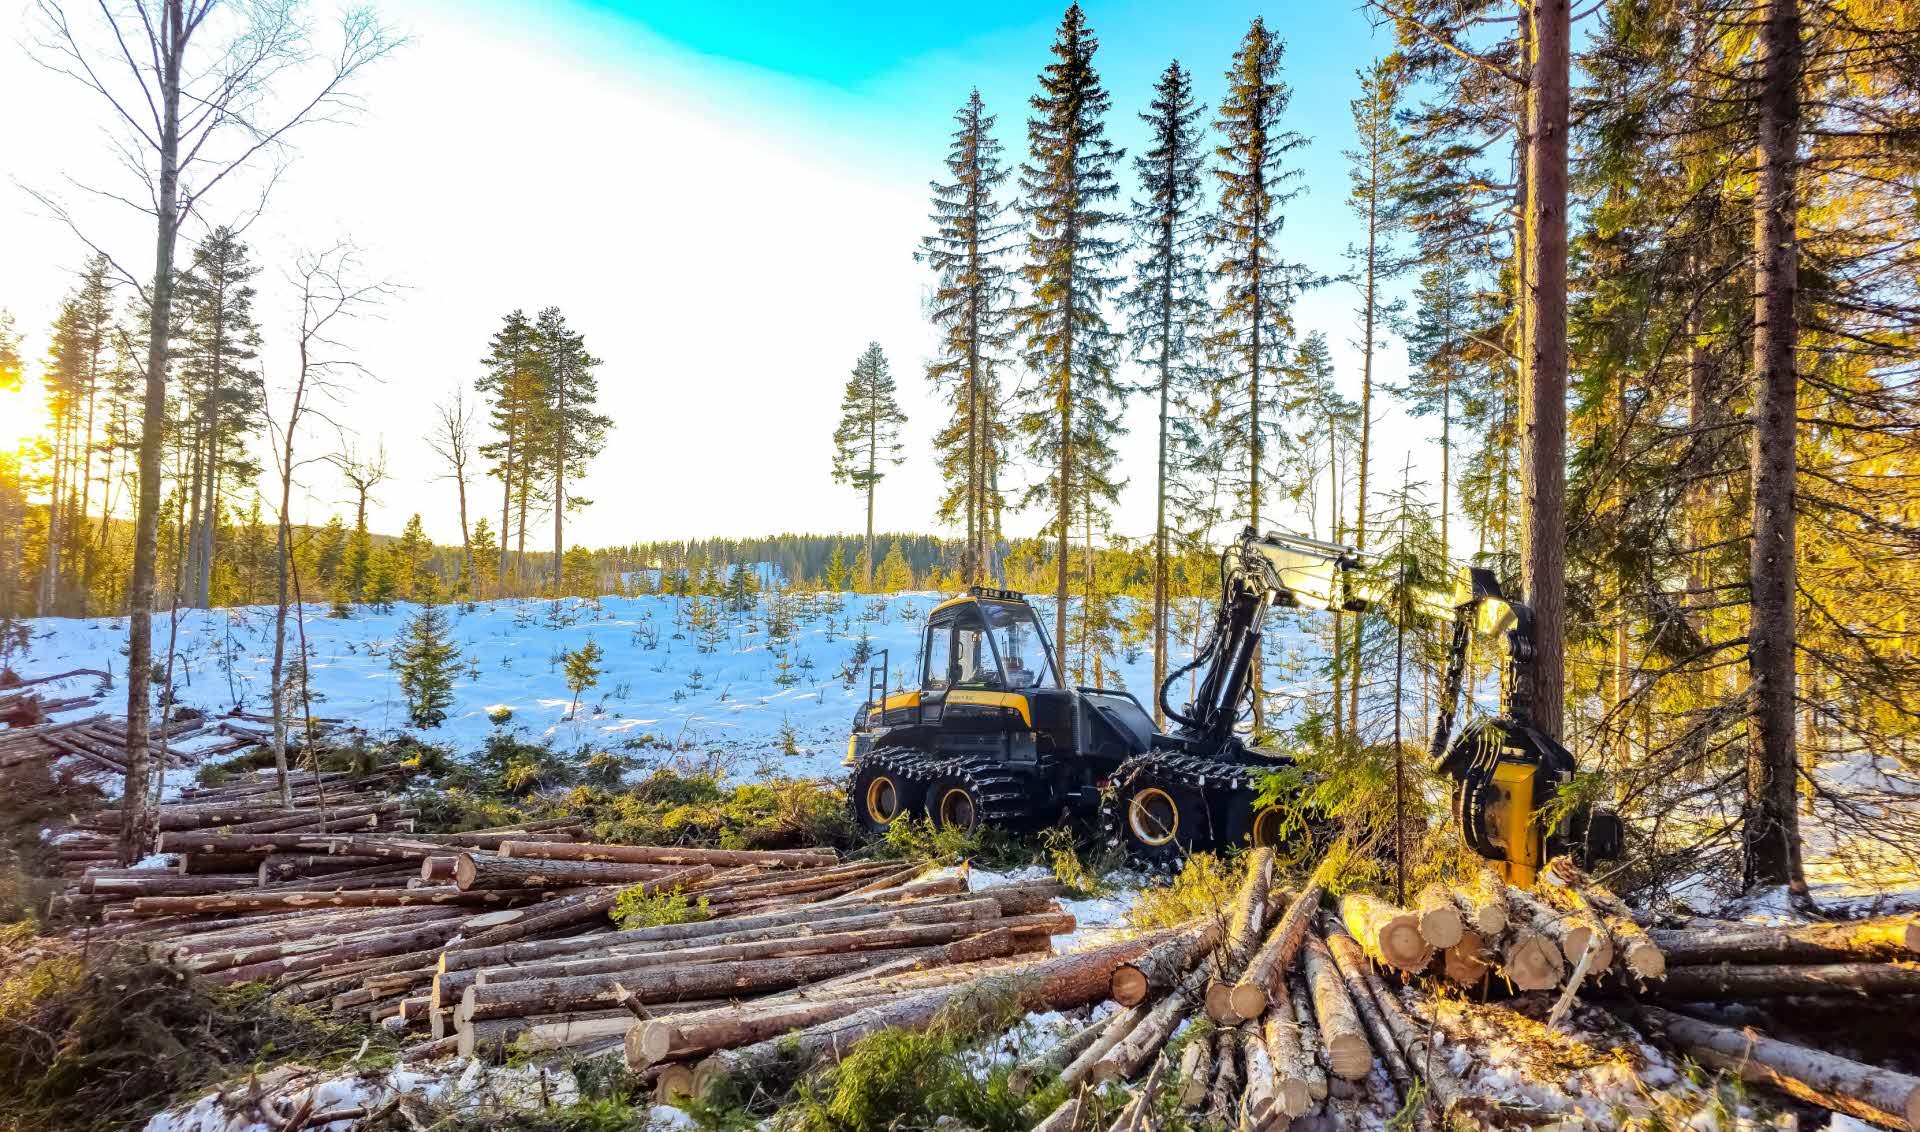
(23, 414)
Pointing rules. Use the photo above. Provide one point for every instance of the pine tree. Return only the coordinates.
(219, 344)
(516, 382)
(426, 663)
(1166, 310)
(1375, 175)
(972, 304)
(1072, 414)
(583, 671)
(1439, 345)
(896, 576)
(79, 363)
(868, 437)
(570, 433)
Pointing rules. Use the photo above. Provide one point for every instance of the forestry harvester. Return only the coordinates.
(994, 736)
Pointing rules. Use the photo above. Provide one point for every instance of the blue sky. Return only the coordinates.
(724, 198)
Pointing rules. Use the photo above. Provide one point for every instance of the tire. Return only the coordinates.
(880, 796)
(1161, 822)
(952, 803)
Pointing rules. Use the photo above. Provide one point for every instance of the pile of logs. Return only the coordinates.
(322, 803)
(99, 742)
(21, 707)
(479, 941)
(1304, 1000)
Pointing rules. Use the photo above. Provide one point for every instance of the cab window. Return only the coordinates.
(974, 666)
(1016, 634)
(935, 671)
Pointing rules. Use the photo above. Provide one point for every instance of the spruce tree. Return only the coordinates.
(972, 304)
(836, 576)
(426, 664)
(868, 437)
(216, 354)
(383, 579)
(582, 667)
(896, 575)
(358, 564)
(1255, 318)
(1166, 315)
(410, 557)
(1072, 408)
(77, 376)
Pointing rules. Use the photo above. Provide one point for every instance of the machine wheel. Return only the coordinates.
(1160, 822)
(953, 803)
(879, 794)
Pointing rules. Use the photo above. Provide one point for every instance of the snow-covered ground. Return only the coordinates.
(663, 683)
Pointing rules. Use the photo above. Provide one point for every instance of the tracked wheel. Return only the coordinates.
(1160, 821)
(954, 803)
(883, 790)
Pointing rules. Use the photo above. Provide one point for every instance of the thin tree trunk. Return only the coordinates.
(1544, 440)
(1366, 421)
(1160, 477)
(1772, 833)
(559, 476)
(153, 418)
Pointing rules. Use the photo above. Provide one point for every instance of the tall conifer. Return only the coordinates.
(1166, 313)
(868, 437)
(972, 305)
(1255, 319)
(1072, 413)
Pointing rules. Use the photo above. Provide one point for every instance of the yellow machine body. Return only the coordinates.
(1512, 819)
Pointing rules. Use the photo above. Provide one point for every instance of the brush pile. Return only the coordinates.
(20, 707)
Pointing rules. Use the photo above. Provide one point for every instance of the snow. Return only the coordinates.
(474, 1087)
(660, 687)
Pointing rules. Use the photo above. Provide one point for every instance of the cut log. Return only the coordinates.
(438, 870)
(1288, 1058)
(1572, 926)
(491, 1040)
(490, 955)
(1445, 1088)
(1483, 903)
(1440, 921)
(1246, 919)
(557, 996)
(1224, 1095)
(1060, 983)
(1064, 1118)
(1351, 960)
(1302, 1002)
(1118, 1025)
(1158, 970)
(669, 855)
(1342, 1035)
(1764, 980)
(682, 1037)
(255, 900)
(1882, 1096)
(1260, 1103)
(479, 870)
(1389, 934)
(1529, 960)
(1196, 1072)
(1132, 1053)
(1263, 982)
(784, 946)
(1467, 962)
(1890, 937)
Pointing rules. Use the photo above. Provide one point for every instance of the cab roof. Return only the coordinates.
(980, 593)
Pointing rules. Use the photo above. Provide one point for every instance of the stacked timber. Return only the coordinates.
(21, 707)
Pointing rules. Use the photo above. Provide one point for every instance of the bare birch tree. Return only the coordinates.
(452, 441)
(197, 90)
(331, 295)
